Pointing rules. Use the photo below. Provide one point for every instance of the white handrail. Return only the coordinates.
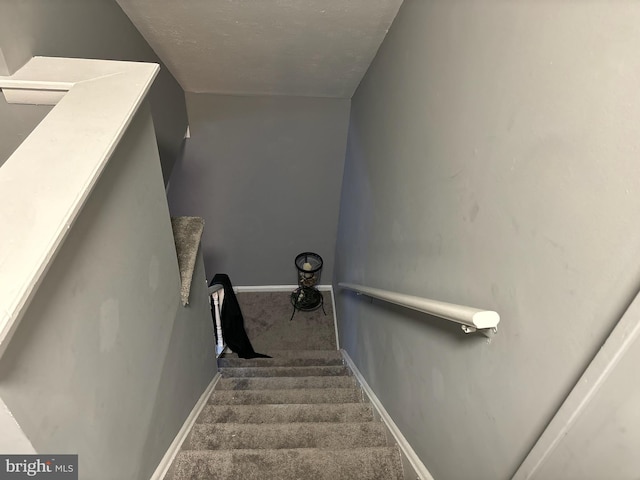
(472, 319)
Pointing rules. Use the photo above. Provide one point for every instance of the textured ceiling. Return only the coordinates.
(319, 48)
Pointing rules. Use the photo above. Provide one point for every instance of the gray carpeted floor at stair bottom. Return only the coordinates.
(299, 415)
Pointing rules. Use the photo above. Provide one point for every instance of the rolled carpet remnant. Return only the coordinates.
(187, 232)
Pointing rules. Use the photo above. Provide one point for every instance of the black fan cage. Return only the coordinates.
(309, 266)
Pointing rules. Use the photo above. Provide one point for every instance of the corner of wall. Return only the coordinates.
(13, 439)
(4, 69)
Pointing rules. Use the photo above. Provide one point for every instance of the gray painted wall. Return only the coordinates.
(90, 29)
(492, 161)
(106, 362)
(266, 174)
(24, 118)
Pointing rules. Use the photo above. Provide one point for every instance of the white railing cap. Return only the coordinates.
(47, 180)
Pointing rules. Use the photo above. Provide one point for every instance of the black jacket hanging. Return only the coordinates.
(232, 320)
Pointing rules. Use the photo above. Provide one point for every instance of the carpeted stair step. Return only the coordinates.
(375, 463)
(279, 383)
(227, 436)
(301, 395)
(294, 354)
(284, 361)
(321, 371)
(281, 358)
(304, 353)
(321, 412)
(298, 415)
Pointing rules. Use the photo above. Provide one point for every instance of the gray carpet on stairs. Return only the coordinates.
(187, 232)
(380, 463)
(269, 383)
(224, 436)
(300, 415)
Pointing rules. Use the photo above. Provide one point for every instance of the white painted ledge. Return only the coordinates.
(47, 180)
(585, 392)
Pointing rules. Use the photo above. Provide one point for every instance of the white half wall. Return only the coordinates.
(596, 432)
(96, 29)
(106, 363)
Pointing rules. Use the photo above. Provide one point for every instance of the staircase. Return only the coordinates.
(299, 415)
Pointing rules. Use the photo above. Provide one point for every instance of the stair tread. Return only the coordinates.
(278, 383)
(280, 413)
(281, 396)
(228, 362)
(300, 414)
(217, 436)
(366, 463)
(295, 354)
(243, 372)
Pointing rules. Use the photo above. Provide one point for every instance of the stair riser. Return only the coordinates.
(307, 435)
(279, 383)
(331, 371)
(318, 395)
(318, 464)
(286, 413)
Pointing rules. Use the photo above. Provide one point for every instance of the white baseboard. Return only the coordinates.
(274, 288)
(335, 318)
(414, 469)
(175, 446)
